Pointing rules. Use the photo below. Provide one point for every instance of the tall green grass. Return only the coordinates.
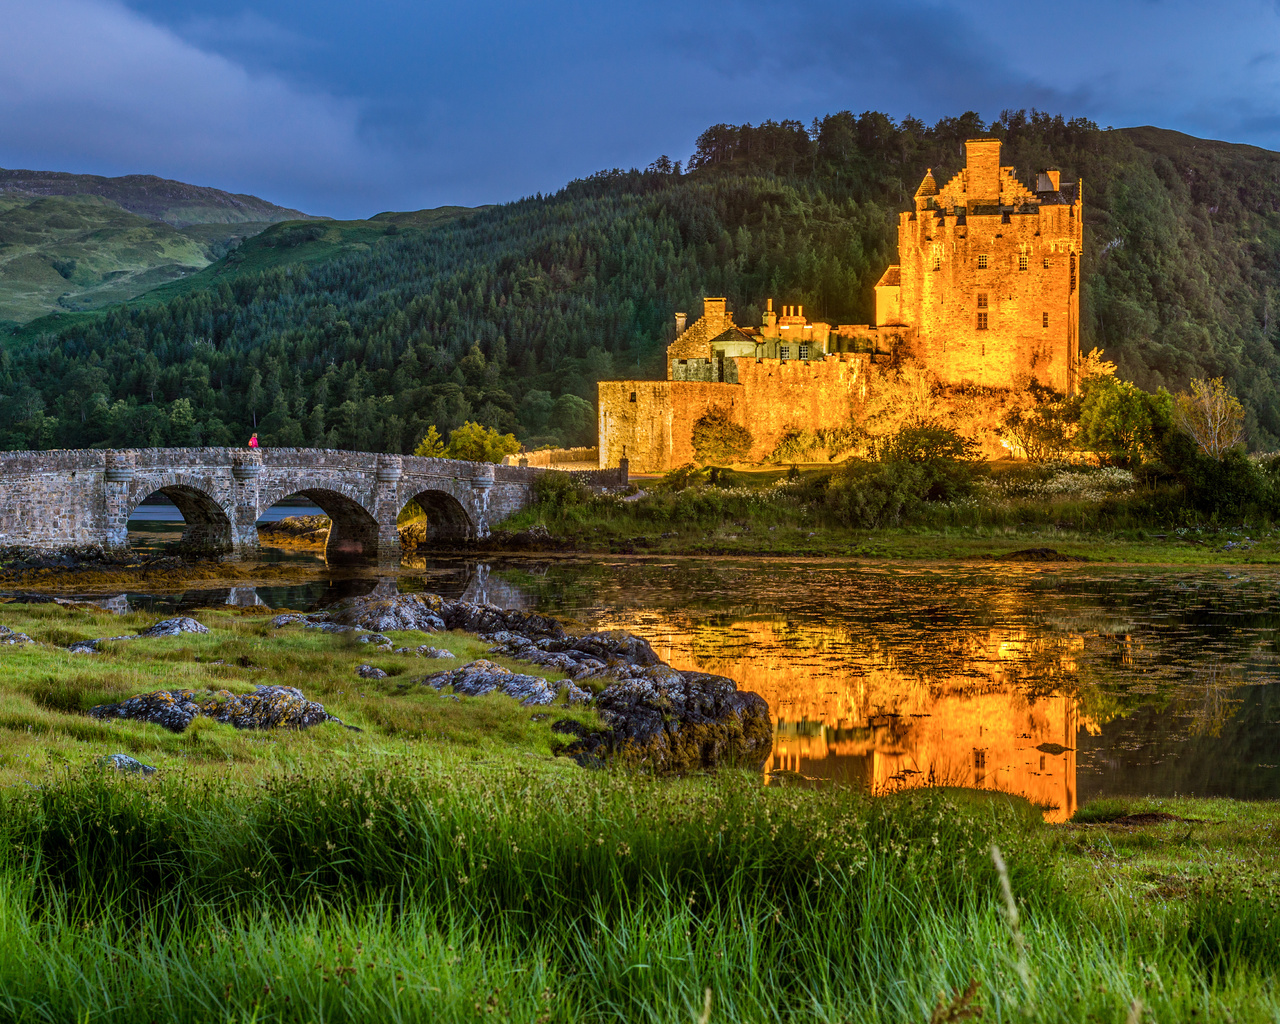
(416, 891)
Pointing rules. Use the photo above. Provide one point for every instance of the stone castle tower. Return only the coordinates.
(988, 275)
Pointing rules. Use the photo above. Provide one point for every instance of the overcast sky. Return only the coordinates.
(350, 108)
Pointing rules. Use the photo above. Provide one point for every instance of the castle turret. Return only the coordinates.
(927, 190)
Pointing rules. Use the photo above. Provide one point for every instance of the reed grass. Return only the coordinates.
(416, 891)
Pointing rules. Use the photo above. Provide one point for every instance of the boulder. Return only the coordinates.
(612, 655)
(268, 707)
(486, 619)
(481, 677)
(175, 626)
(370, 672)
(165, 627)
(702, 721)
(8, 636)
(399, 612)
(375, 638)
(125, 763)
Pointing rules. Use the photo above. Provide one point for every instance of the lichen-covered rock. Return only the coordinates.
(285, 619)
(596, 655)
(482, 676)
(399, 612)
(8, 636)
(125, 763)
(174, 627)
(268, 707)
(165, 627)
(701, 721)
(370, 672)
(330, 627)
(375, 638)
(486, 619)
(427, 651)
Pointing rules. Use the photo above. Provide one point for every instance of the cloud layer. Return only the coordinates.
(92, 86)
(348, 109)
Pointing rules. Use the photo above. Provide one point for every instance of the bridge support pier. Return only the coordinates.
(387, 509)
(116, 480)
(246, 471)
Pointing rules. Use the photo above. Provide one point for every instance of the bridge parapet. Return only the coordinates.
(80, 501)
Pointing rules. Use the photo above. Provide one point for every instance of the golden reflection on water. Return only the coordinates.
(984, 708)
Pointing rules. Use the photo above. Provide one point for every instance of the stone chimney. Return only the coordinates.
(982, 166)
(1049, 181)
(770, 317)
(713, 312)
(681, 318)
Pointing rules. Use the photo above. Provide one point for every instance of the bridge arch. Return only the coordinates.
(445, 520)
(353, 529)
(208, 530)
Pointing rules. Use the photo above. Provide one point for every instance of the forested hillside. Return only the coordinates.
(509, 316)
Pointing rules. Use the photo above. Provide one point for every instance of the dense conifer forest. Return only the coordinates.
(509, 316)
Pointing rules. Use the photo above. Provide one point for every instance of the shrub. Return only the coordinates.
(555, 490)
(867, 494)
(718, 439)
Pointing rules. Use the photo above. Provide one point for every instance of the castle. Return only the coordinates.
(985, 292)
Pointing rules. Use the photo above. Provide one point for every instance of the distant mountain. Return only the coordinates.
(72, 242)
(173, 202)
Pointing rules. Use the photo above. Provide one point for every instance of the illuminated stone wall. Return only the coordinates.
(989, 275)
(651, 422)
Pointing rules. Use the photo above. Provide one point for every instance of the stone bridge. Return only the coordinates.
(79, 502)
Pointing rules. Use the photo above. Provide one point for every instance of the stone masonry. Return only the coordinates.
(79, 502)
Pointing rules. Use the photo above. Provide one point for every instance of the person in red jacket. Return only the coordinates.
(253, 441)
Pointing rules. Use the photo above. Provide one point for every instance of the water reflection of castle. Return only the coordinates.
(978, 708)
(984, 741)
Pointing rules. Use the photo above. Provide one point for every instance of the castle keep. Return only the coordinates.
(985, 292)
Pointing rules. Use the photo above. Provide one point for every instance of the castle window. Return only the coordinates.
(1044, 319)
(1023, 261)
(784, 351)
(804, 351)
(982, 300)
(1046, 263)
(982, 262)
(982, 321)
(633, 396)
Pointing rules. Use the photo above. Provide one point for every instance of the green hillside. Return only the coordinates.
(271, 245)
(365, 333)
(73, 242)
(81, 252)
(174, 202)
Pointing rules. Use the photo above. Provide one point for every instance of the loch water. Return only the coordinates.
(1062, 683)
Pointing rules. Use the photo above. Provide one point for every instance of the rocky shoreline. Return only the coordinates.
(652, 716)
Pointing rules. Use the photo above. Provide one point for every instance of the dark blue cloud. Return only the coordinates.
(349, 109)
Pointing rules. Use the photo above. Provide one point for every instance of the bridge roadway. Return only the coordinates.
(79, 501)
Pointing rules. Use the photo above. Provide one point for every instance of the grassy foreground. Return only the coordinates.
(416, 890)
(44, 692)
(444, 866)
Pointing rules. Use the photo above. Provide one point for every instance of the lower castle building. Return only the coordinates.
(985, 292)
